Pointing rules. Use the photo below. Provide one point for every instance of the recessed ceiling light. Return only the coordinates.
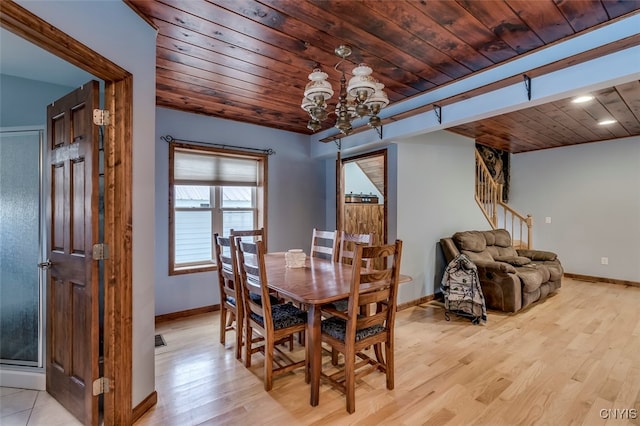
(582, 99)
(606, 122)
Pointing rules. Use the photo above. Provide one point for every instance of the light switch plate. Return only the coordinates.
(547, 219)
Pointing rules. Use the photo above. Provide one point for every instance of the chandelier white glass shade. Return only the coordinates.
(363, 96)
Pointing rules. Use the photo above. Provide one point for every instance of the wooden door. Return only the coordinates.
(72, 282)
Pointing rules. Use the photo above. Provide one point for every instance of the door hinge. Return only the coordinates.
(100, 386)
(100, 251)
(101, 117)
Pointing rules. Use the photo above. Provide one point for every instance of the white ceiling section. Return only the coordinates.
(20, 58)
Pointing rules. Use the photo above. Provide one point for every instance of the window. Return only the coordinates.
(211, 191)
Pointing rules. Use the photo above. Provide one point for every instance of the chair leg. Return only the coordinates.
(248, 333)
(388, 349)
(307, 360)
(350, 381)
(223, 322)
(268, 364)
(334, 356)
(239, 330)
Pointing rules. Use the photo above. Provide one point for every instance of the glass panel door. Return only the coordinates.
(20, 248)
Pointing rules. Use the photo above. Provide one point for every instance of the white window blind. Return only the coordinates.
(192, 167)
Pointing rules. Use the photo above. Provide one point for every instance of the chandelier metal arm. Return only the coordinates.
(362, 96)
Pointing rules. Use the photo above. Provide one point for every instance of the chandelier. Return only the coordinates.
(363, 96)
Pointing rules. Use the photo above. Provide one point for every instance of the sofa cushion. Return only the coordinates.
(506, 251)
(477, 256)
(489, 237)
(513, 260)
(531, 278)
(493, 251)
(503, 239)
(470, 241)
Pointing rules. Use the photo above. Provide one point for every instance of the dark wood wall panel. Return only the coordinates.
(60, 331)
(57, 209)
(365, 219)
(78, 191)
(58, 132)
(79, 122)
(80, 328)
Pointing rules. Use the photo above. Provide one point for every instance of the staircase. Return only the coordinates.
(499, 214)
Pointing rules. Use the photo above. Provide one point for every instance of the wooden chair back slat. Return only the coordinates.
(326, 243)
(256, 234)
(348, 243)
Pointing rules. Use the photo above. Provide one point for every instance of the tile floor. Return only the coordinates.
(22, 407)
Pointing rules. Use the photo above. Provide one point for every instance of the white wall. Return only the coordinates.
(435, 200)
(591, 193)
(295, 198)
(114, 31)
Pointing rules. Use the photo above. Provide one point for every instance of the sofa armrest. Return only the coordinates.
(449, 249)
(538, 255)
(492, 266)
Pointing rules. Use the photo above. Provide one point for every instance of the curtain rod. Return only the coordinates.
(169, 139)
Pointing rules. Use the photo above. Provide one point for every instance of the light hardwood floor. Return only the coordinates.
(560, 362)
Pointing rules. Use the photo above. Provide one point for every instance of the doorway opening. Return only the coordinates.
(363, 198)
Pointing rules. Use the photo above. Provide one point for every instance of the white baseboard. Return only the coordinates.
(13, 378)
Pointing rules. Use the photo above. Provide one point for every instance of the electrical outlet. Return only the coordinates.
(547, 219)
(604, 260)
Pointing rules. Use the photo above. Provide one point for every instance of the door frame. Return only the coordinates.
(117, 197)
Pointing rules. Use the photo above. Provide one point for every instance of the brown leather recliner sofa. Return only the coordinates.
(511, 279)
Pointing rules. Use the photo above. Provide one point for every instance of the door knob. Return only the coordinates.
(45, 265)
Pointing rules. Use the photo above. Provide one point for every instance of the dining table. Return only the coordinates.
(319, 282)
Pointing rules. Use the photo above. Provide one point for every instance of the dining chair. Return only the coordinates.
(346, 253)
(351, 333)
(231, 300)
(274, 323)
(324, 244)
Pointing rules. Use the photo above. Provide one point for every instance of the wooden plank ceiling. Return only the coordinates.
(373, 168)
(562, 123)
(248, 60)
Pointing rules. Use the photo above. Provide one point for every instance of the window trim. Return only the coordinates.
(260, 211)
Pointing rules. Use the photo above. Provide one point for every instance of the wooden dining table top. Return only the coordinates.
(320, 281)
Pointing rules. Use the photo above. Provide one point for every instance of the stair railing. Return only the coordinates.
(498, 213)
